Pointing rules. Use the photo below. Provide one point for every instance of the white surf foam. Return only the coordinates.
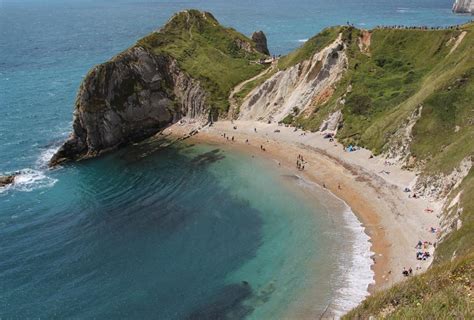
(45, 156)
(302, 40)
(357, 272)
(29, 179)
(356, 269)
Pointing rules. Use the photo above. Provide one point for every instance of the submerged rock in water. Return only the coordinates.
(6, 180)
(260, 42)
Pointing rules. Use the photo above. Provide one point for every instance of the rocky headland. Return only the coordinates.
(150, 85)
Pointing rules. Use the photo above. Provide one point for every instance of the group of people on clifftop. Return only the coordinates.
(402, 27)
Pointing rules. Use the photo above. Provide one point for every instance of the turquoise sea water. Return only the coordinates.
(189, 231)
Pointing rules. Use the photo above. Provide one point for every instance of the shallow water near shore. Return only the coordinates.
(184, 232)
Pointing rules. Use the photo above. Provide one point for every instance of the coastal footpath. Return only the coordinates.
(384, 118)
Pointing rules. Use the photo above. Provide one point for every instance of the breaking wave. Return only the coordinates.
(30, 179)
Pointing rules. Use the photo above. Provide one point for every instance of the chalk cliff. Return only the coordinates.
(294, 90)
(463, 6)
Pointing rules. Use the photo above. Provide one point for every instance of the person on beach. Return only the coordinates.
(339, 186)
(232, 138)
(419, 244)
(255, 130)
(405, 272)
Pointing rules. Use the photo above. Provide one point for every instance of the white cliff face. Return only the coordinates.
(463, 6)
(297, 87)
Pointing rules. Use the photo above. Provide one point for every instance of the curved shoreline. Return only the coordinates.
(393, 222)
(348, 292)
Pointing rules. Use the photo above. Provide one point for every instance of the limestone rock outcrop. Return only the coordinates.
(260, 42)
(295, 90)
(128, 99)
(463, 6)
(167, 75)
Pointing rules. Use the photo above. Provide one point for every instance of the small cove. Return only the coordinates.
(191, 231)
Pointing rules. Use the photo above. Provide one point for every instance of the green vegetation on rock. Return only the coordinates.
(218, 57)
(427, 77)
(406, 69)
(248, 87)
(315, 44)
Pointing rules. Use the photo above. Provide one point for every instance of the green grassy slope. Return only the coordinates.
(444, 292)
(406, 70)
(310, 47)
(208, 52)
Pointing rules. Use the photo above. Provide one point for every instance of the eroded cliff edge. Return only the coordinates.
(463, 6)
(173, 72)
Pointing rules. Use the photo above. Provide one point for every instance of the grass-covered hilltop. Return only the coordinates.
(218, 57)
(405, 94)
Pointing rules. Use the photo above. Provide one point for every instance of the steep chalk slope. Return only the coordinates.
(463, 6)
(293, 91)
(185, 69)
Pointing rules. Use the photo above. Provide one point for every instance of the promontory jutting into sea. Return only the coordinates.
(245, 160)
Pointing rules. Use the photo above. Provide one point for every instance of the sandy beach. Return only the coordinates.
(372, 187)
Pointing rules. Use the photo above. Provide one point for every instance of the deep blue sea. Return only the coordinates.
(187, 232)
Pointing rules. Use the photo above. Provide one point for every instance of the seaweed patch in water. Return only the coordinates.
(208, 157)
(228, 304)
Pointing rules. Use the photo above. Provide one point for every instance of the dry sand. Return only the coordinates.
(371, 187)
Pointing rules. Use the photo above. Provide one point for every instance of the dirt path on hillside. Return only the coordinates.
(233, 101)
